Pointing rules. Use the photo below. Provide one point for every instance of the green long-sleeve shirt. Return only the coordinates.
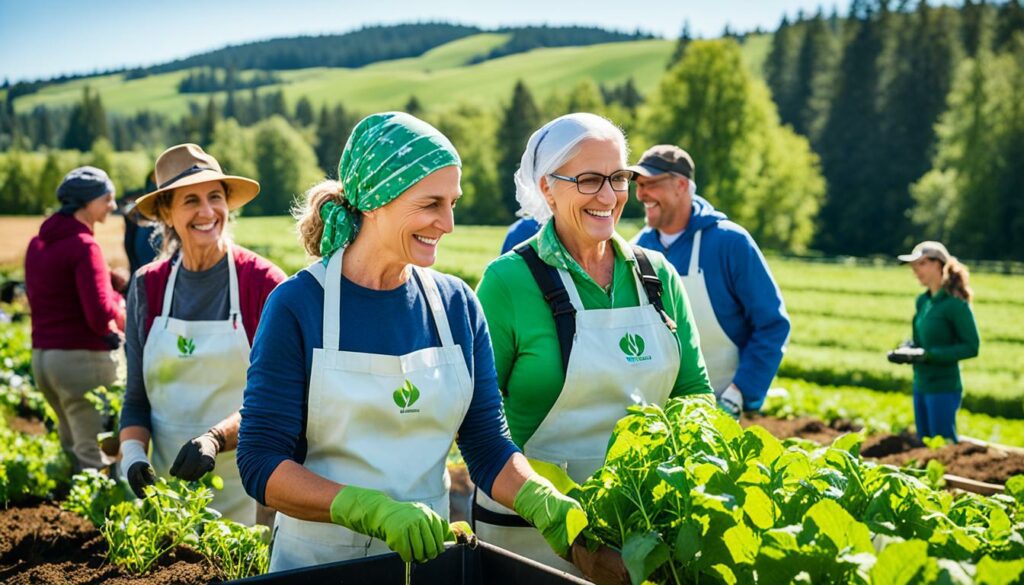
(526, 351)
(944, 326)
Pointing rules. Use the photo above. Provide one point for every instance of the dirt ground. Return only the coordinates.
(41, 543)
(978, 462)
(17, 231)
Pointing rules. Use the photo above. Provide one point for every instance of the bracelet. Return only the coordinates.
(218, 435)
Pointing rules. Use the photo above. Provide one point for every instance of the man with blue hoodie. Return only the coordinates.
(736, 304)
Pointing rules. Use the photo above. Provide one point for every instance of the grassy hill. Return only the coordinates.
(440, 78)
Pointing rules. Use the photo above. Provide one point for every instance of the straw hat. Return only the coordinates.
(187, 164)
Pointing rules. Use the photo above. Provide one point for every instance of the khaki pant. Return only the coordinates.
(64, 376)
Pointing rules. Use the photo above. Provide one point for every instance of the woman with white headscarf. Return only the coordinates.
(583, 324)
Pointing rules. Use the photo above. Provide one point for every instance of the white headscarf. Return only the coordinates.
(551, 147)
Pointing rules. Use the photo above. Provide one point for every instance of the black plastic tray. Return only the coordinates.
(459, 565)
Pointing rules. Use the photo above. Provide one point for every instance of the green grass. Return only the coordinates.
(844, 317)
(440, 78)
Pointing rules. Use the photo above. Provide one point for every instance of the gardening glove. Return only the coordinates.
(136, 466)
(411, 529)
(906, 355)
(198, 456)
(731, 401)
(559, 518)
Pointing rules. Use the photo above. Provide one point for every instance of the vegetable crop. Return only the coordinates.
(689, 496)
(140, 532)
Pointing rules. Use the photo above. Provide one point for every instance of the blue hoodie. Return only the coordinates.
(744, 296)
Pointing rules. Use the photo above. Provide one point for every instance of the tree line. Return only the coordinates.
(867, 132)
(914, 110)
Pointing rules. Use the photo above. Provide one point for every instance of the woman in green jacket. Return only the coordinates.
(583, 324)
(944, 334)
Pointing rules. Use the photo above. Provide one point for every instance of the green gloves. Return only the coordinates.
(411, 529)
(558, 517)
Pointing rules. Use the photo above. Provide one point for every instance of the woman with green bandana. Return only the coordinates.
(367, 366)
(583, 324)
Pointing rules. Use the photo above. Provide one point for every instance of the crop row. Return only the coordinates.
(690, 497)
(997, 393)
(877, 412)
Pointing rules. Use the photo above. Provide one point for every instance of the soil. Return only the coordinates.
(985, 463)
(42, 544)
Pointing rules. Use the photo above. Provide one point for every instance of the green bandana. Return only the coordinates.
(385, 155)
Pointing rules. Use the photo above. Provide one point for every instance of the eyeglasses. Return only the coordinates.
(591, 183)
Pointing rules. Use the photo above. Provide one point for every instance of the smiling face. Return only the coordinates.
(666, 199)
(928, 271)
(409, 228)
(198, 214)
(587, 219)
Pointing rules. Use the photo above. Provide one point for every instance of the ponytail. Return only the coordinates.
(307, 213)
(955, 280)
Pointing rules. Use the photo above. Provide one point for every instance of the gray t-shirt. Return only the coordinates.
(198, 296)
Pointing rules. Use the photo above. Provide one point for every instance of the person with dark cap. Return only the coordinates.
(77, 317)
(738, 307)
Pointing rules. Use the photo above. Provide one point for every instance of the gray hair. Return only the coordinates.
(555, 144)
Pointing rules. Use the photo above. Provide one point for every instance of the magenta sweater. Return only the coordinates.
(68, 287)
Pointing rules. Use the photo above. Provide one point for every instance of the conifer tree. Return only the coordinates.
(519, 120)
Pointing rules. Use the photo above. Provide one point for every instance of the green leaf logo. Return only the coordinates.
(186, 346)
(632, 345)
(406, 396)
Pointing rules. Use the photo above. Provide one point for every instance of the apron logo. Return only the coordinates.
(633, 346)
(186, 346)
(406, 396)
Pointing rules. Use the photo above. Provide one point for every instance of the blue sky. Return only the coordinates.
(43, 38)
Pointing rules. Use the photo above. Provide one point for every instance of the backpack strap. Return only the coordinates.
(557, 297)
(652, 285)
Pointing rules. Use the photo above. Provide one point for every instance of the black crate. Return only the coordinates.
(459, 565)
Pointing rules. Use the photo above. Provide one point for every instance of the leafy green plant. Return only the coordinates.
(93, 493)
(30, 465)
(240, 551)
(140, 532)
(689, 496)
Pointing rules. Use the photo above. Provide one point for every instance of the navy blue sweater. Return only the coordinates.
(390, 322)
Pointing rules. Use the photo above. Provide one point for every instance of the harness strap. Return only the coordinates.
(557, 298)
(652, 285)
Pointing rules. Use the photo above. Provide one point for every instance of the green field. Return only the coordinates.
(440, 78)
(844, 317)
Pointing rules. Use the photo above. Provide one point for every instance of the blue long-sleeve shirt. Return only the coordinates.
(523, 229)
(746, 301)
(390, 322)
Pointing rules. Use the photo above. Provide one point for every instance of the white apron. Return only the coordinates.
(721, 356)
(195, 374)
(619, 357)
(368, 427)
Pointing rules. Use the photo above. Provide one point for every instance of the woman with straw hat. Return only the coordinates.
(368, 365)
(192, 315)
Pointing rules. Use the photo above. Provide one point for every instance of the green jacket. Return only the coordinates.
(526, 351)
(944, 326)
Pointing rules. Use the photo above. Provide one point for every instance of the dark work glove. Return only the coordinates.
(140, 474)
(906, 355)
(113, 340)
(196, 457)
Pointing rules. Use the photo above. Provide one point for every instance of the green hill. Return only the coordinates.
(439, 78)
